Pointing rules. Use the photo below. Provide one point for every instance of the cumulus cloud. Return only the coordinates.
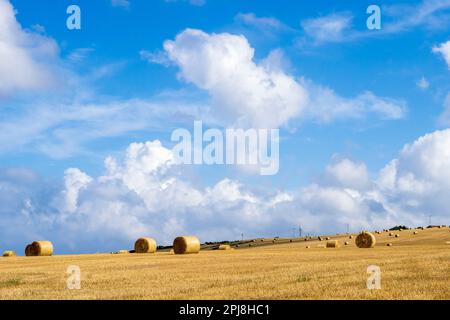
(347, 174)
(245, 92)
(146, 193)
(418, 181)
(261, 94)
(25, 55)
(444, 50)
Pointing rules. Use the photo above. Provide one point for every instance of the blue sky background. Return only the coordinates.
(102, 64)
(388, 65)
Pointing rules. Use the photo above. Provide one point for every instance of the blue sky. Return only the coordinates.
(69, 99)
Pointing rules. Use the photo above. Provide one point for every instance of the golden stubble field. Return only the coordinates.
(415, 267)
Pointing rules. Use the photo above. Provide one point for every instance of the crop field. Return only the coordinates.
(416, 266)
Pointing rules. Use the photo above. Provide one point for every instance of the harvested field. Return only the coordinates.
(415, 267)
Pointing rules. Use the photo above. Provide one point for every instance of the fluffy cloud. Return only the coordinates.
(24, 55)
(146, 193)
(444, 50)
(418, 181)
(246, 93)
(347, 174)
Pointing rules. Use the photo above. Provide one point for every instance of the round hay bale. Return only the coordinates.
(186, 244)
(320, 238)
(262, 240)
(389, 244)
(249, 244)
(29, 250)
(290, 240)
(350, 237)
(224, 247)
(391, 234)
(347, 243)
(9, 254)
(415, 232)
(365, 240)
(307, 247)
(42, 248)
(397, 235)
(145, 245)
(327, 238)
(333, 244)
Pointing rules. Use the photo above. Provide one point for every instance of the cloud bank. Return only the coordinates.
(146, 193)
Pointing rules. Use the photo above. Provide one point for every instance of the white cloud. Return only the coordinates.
(444, 50)
(25, 56)
(146, 193)
(80, 54)
(120, 3)
(405, 17)
(418, 182)
(347, 174)
(158, 57)
(245, 92)
(248, 93)
(329, 28)
(423, 83)
(259, 22)
(396, 18)
(65, 132)
(325, 105)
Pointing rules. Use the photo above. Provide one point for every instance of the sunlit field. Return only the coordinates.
(416, 266)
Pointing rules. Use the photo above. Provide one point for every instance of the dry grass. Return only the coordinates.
(415, 267)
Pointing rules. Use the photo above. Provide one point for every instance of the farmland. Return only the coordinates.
(416, 266)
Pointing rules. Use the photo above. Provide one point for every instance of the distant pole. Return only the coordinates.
(242, 236)
(300, 231)
(430, 219)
